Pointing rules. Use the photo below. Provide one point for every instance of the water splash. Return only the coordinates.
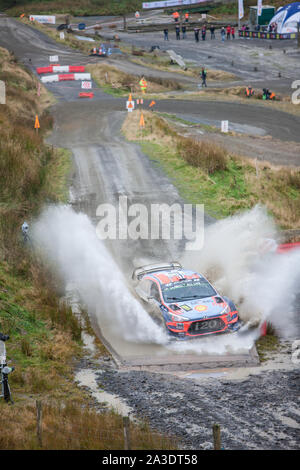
(68, 240)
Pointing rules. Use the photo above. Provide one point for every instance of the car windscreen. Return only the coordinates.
(187, 290)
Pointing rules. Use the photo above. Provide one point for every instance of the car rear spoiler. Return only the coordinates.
(151, 268)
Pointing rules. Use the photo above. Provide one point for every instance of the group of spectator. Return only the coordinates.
(176, 16)
(245, 27)
(272, 28)
(229, 32)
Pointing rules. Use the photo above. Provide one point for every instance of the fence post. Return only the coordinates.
(39, 421)
(126, 424)
(217, 436)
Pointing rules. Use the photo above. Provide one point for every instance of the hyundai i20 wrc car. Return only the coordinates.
(184, 301)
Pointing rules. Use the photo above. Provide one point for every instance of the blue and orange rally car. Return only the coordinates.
(184, 301)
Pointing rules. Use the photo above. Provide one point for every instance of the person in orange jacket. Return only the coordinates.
(176, 15)
(186, 17)
(249, 91)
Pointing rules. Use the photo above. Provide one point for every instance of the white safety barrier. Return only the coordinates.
(50, 78)
(82, 76)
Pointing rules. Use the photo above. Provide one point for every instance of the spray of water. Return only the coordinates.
(68, 240)
(239, 258)
(261, 282)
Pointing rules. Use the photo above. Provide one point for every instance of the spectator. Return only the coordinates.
(228, 31)
(203, 76)
(175, 16)
(249, 92)
(203, 33)
(196, 32)
(212, 32)
(183, 29)
(186, 17)
(25, 229)
(177, 29)
(166, 34)
(232, 32)
(223, 33)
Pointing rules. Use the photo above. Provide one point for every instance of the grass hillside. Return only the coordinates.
(73, 7)
(104, 7)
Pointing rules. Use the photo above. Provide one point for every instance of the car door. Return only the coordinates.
(143, 289)
(155, 302)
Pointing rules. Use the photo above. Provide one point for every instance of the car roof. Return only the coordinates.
(169, 276)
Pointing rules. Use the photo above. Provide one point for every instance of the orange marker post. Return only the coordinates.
(37, 123)
(142, 121)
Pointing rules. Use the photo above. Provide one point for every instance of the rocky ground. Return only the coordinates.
(258, 413)
(257, 407)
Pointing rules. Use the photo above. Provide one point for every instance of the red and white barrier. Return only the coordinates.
(284, 247)
(61, 68)
(66, 76)
(84, 94)
(263, 329)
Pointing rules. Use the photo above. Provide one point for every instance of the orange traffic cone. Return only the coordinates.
(142, 121)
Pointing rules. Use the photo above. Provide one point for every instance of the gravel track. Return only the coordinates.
(260, 412)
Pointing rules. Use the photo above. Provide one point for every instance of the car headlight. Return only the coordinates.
(225, 310)
(176, 318)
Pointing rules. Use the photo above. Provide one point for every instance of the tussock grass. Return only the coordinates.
(267, 344)
(26, 163)
(73, 427)
(205, 155)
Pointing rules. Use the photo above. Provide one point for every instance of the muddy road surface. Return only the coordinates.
(259, 412)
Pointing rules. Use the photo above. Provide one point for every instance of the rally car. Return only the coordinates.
(184, 301)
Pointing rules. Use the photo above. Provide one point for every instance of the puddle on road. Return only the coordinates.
(87, 378)
(201, 375)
